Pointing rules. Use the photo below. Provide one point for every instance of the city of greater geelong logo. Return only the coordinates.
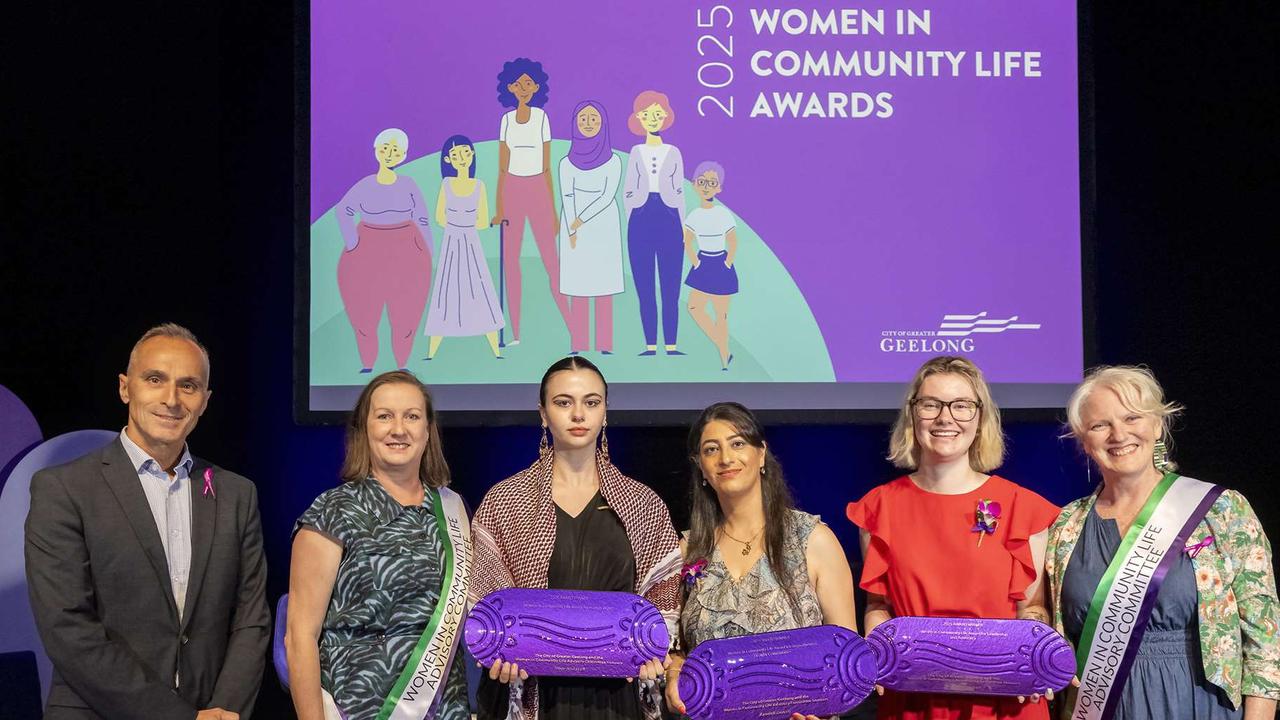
(955, 334)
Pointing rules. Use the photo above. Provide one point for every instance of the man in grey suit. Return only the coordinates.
(145, 564)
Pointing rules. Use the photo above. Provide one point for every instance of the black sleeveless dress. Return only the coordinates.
(592, 552)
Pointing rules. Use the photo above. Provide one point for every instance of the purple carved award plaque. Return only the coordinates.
(824, 671)
(971, 656)
(568, 633)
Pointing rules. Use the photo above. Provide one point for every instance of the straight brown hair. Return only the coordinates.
(433, 471)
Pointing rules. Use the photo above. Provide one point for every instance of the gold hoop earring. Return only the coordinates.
(604, 442)
(544, 445)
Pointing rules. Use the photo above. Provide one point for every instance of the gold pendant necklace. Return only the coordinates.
(746, 545)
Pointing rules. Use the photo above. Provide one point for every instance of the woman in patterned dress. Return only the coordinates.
(572, 521)
(367, 567)
(1211, 649)
(764, 564)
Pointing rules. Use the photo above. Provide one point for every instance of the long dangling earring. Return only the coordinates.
(604, 442)
(1160, 457)
(544, 445)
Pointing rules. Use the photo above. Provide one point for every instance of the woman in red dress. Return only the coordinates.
(924, 555)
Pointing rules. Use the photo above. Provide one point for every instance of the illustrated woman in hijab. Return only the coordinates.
(590, 239)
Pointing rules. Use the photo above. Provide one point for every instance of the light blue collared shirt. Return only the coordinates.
(170, 501)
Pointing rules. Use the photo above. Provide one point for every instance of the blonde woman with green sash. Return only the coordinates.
(1163, 583)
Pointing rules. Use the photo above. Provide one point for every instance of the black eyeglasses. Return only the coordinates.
(962, 410)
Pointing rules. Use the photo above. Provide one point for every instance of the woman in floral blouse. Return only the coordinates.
(1210, 648)
(753, 562)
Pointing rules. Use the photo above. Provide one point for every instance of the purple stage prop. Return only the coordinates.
(568, 633)
(19, 431)
(824, 671)
(18, 627)
(279, 654)
(971, 656)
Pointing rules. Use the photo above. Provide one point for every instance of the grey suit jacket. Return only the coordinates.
(100, 592)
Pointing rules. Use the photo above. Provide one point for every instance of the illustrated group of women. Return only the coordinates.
(372, 566)
(385, 223)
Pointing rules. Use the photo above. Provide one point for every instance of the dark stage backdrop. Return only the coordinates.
(149, 164)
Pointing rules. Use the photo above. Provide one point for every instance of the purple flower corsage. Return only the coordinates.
(692, 572)
(987, 517)
(1194, 549)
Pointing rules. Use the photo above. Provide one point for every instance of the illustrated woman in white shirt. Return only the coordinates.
(525, 189)
(711, 244)
(590, 228)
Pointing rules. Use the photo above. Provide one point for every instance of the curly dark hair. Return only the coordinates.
(512, 70)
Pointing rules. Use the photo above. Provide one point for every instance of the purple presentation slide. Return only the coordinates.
(792, 204)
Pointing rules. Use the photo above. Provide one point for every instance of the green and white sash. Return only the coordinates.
(1126, 594)
(420, 688)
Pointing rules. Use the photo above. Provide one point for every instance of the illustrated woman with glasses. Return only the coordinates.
(949, 539)
(711, 242)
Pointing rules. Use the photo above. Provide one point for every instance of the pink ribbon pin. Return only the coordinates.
(208, 484)
(1194, 549)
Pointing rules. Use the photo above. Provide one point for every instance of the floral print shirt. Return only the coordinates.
(1239, 642)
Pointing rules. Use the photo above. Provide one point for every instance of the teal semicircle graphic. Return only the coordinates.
(772, 333)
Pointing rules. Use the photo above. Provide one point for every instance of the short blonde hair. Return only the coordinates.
(987, 451)
(1138, 390)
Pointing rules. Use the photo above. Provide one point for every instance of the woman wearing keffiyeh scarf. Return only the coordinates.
(573, 521)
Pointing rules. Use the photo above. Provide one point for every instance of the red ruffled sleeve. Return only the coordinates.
(866, 514)
(1027, 515)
